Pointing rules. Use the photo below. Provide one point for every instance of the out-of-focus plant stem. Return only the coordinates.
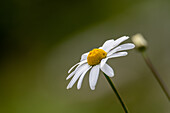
(156, 74)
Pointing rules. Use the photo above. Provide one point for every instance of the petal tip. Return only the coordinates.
(67, 78)
(93, 88)
(133, 46)
(68, 87)
(78, 86)
(125, 37)
(112, 75)
(126, 53)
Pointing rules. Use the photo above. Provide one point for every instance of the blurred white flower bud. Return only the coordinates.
(140, 42)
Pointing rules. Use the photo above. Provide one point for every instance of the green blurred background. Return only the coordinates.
(41, 39)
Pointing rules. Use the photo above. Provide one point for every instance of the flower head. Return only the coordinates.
(140, 42)
(96, 60)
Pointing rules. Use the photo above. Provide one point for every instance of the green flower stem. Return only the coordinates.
(116, 92)
(156, 74)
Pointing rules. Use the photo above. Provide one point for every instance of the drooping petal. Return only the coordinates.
(84, 56)
(118, 54)
(113, 51)
(103, 61)
(80, 63)
(126, 46)
(77, 75)
(107, 70)
(71, 74)
(72, 67)
(119, 40)
(107, 46)
(93, 77)
(82, 77)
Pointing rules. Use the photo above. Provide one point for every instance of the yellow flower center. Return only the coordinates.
(95, 56)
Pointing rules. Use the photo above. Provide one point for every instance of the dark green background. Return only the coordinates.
(41, 39)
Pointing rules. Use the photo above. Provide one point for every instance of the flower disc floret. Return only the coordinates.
(95, 56)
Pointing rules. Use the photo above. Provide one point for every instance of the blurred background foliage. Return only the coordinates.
(41, 39)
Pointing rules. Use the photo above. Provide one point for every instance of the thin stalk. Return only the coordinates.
(116, 92)
(157, 75)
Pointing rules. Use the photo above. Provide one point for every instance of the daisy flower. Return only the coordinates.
(96, 60)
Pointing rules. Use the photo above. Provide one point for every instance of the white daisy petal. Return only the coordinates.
(107, 46)
(81, 78)
(80, 63)
(71, 74)
(72, 67)
(103, 61)
(107, 70)
(118, 54)
(119, 40)
(84, 56)
(113, 51)
(93, 77)
(77, 75)
(126, 46)
(100, 47)
(122, 47)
